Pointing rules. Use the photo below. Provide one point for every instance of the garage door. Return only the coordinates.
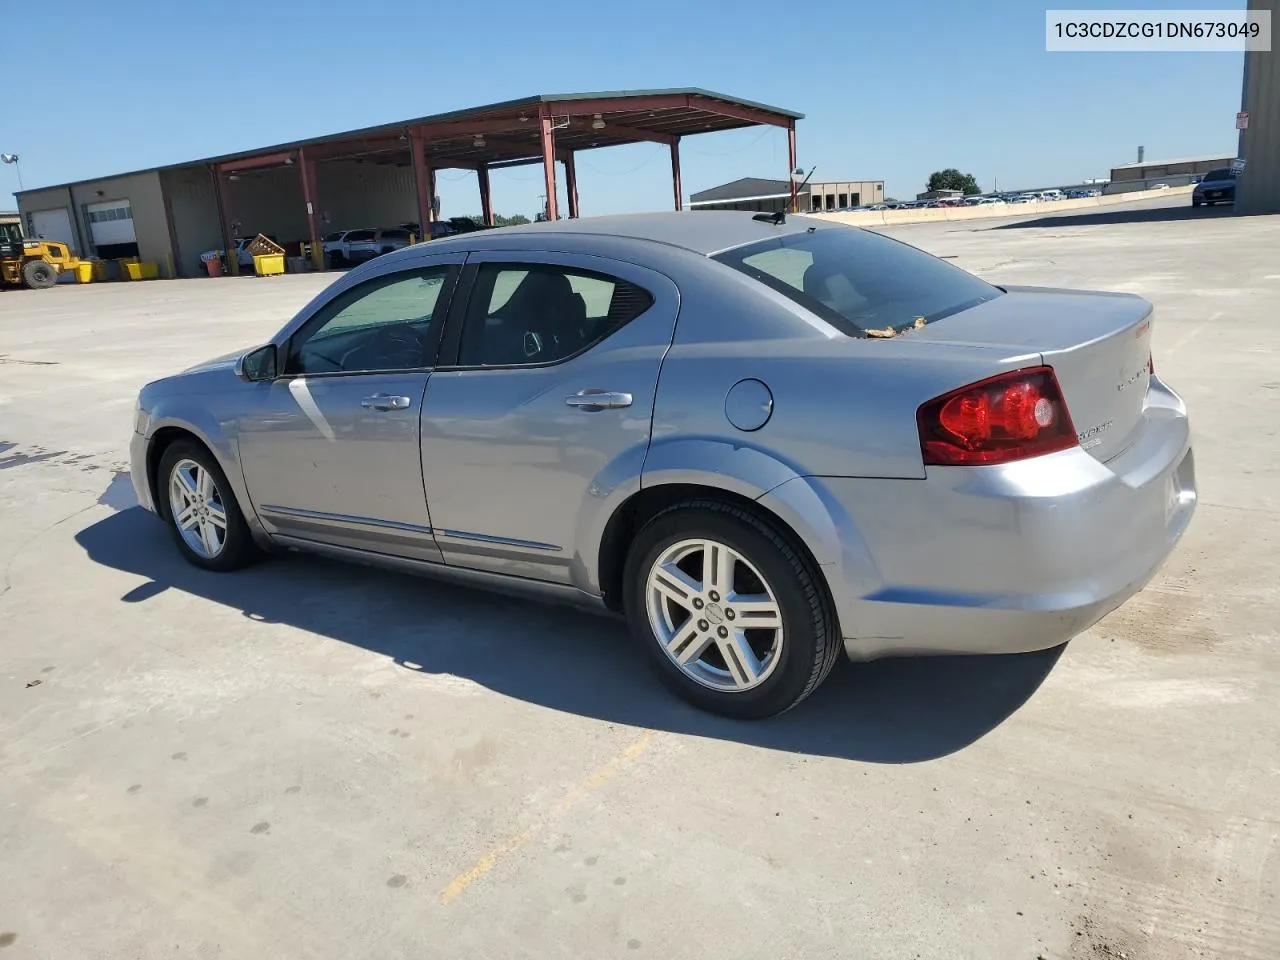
(111, 223)
(53, 225)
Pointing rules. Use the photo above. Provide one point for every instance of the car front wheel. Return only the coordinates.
(734, 617)
(203, 516)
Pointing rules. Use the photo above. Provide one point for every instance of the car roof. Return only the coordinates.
(703, 231)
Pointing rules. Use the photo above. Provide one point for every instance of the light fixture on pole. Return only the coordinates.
(800, 178)
(13, 158)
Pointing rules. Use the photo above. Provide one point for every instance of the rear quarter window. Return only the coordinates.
(860, 281)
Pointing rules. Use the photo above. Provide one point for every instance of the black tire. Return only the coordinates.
(812, 639)
(39, 274)
(239, 549)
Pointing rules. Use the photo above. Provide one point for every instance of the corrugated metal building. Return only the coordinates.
(378, 177)
(1259, 188)
(1176, 173)
(772, 196)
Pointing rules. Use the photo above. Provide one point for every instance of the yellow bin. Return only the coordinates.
(268, 264)
(84, 272)
(133, 270)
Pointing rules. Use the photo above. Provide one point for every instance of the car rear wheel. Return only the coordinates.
(204, 518)
(734, 617)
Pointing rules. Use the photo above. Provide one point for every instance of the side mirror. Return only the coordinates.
(259, 364)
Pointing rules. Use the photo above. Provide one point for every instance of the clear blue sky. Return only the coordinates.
(890, 91)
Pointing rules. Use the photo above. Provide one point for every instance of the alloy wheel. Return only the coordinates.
(714, 615)
(197, 508)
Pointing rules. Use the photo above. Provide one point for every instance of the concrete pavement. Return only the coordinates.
(310, 760)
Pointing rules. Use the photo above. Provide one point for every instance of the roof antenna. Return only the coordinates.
(801, 180)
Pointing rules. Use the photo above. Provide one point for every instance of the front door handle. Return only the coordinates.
(384, 401)
(592, 399)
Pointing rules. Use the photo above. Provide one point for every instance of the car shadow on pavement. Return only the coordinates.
(890, 711)
(1148, 215)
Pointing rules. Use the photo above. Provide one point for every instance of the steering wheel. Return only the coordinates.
(397, 347)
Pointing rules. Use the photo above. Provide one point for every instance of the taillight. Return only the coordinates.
(1007, 417)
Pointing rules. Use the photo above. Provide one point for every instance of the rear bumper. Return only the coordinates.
(1011, 558)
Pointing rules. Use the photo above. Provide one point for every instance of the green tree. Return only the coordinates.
(953, 179)
(500, 221)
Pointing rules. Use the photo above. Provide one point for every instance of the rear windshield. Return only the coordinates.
(859, 281)
(357, 236)
(1223, 174)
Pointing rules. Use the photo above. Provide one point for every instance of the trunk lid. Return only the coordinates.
(1098, 344)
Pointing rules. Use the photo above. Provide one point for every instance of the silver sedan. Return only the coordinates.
(760, 439)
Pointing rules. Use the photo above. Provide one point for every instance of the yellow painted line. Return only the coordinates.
(591, 782)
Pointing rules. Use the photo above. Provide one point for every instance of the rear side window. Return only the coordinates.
(537, 313)
(859, 281)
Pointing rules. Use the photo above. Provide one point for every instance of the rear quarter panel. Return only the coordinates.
(841, 406)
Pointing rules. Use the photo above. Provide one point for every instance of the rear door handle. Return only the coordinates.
(592, 399)
(384, 401)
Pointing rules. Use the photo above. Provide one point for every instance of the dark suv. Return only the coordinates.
(1218, 186)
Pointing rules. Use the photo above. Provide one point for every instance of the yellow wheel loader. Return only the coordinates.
(32, 263)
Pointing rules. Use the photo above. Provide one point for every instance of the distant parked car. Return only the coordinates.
(990, 201)
(378, 242)
(760, 467)
(1158, 186)
(1218, 186)
(337, 246)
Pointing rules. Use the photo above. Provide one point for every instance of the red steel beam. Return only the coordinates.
(664, 101)
(309, 198)
(571, 185)
(253, 163)
(469, 128)
(791, 159)
(739, 112)
(549, 166)
(606, 106)
(627, 134)
(224, 222)
(423, 180)
(675, 173)
(486, 198)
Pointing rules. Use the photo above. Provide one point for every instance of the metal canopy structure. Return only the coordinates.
(538, 129)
